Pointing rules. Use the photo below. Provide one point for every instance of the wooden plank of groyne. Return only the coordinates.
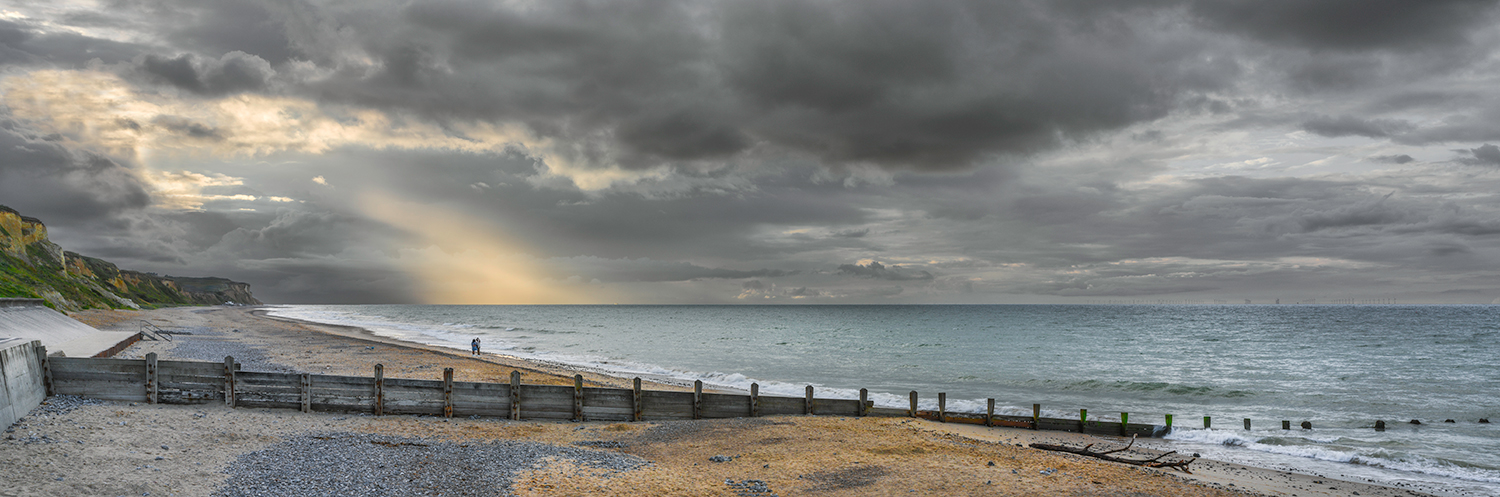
(718, 405)
(697, 399)
(608, 404)
(136, 366)
(198, 368)
(836, 407)
(306, 386)
(547, 401)
(41, 355)
(772, 406)
(97, 376)
(128, 391)
(666, 405)
(434, 385)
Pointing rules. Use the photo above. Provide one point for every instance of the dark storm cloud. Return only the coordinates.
(1349, 125)
(235, 72)
(44, 179)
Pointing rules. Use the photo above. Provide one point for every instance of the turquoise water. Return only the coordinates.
(1338, 367)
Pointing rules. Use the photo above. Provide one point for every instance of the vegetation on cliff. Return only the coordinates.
(31, 266)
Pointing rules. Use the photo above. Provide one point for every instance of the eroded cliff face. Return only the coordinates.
(32, 266)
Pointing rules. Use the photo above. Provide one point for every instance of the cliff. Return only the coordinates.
(31, 266)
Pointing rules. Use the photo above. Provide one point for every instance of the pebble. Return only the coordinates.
(366, 464)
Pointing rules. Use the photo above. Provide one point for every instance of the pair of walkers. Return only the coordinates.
(474, 346)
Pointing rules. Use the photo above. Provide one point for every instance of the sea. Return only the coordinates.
(1338, 367)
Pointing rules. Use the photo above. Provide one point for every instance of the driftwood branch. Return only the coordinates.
(1155, 462)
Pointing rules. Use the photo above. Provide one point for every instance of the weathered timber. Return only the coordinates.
(151, 391)
(125, 391)
(989, 412)
(942, 407)
(697, 399)
(715, 405)
(1155, 462)
(864, 401)
(913, 411)
(635, 401)
(229, 371)
(578, 397)
(447, 392)
(809, 399)
(306, 392)
(666, 405)
(61, 364)
(379, 406)
(46, 365)
(773, 406)
(754, 400)
(515, 395)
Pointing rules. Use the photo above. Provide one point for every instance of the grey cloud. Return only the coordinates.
(1349, 125)
(22, 44)
(880, 271)
(640, 270)
(1485, 155)
(191, 129)
(851, 233)
(1350, 24)
(1393, 159)
(235, 72)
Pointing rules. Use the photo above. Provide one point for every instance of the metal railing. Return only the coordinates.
(154, 332)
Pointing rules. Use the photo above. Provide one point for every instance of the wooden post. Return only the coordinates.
(913, 411)
(1207, 423)
(447, 392)
(1169, 423)
(379, 390)
(864, 400)
(1124, 424)
(41, 355)
(697, 399)
(578, 397)
(1247, 423)
(635, 400)
(1083, 416)
(942, 407)
(229, 381)
(151, 387)
(515, 395)
(1286, 425)
(306, 392)
(807, 406)
(989, 413)
(754, 400)
(1036, 416)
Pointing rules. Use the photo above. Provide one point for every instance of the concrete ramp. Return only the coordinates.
(30, 319)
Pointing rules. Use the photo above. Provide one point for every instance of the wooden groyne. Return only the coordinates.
(195, 382)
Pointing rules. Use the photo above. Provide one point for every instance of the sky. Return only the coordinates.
(767, 151)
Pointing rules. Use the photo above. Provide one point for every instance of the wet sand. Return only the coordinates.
(789, 455)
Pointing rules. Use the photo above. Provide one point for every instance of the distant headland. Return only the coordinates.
(31, 266)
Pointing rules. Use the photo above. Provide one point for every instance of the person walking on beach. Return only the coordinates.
(474, 346)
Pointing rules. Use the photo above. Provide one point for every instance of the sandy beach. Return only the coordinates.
(68, 448)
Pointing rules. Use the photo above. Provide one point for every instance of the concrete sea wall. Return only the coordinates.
(22, 377)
